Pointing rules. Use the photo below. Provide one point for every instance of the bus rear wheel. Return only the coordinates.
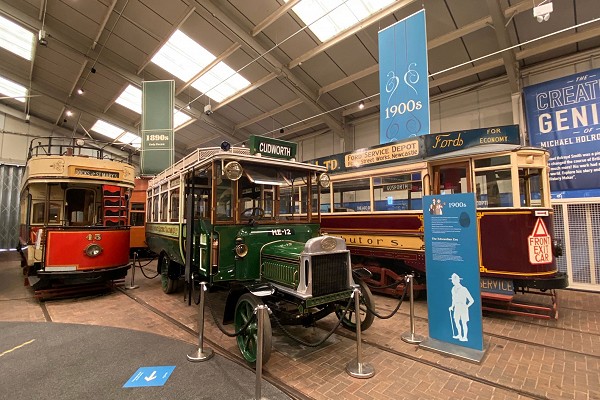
(169, 285)
(350, 316)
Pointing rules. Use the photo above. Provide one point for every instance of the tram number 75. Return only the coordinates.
(95, 236)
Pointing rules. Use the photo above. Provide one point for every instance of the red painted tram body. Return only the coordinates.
(74, 214)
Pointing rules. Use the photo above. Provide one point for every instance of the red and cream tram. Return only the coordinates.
(375, 204)
(74, 214)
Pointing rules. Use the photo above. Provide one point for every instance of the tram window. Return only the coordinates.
(453, 180)
(80, 206)
(54, 213)
(352, 195)
(37, 212)
(136, 218)
(492, 162)
(137, 206)
(174, 205)
(398, 192)
(493, 188)
(325, 198)
(530, 187)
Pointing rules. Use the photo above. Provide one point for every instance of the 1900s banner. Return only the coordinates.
(562, 115)
(403, 82)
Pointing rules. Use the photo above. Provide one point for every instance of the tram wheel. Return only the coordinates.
(366, 318)
(248, 340)
(169, 285)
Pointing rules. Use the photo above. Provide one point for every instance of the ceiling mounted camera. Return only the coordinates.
(208, 109)
(42, 40)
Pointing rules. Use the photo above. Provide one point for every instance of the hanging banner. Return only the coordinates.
(403, 80)
(452, 268)
(157, 126)
(562, 116)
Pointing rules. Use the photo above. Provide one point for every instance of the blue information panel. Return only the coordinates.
(452, 267)
(150, 376)
(403, 82)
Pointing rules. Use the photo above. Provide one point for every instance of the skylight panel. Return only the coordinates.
(180, 118)
(182, 57)
(131, 139)
(107, 129)
(220, 82)
(131, 98)
(16, 39)
(13, 90)
(336, 16)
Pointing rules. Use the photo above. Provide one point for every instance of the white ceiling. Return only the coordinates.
(298, 83)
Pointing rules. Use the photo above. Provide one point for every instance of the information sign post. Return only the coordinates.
(452, 268)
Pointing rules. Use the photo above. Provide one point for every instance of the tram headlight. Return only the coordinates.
(324, 180)
(93, 250)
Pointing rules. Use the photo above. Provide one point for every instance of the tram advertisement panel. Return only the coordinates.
(562, 115)
(403, 81)
(452, 268)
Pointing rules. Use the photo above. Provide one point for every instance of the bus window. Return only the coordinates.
(224, 203)
(174, 215)
(530, 187)
(155, 208)
(164, 206)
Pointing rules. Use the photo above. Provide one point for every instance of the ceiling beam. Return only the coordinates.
(297, 128)
(268, 114)
(349, 79)
(273, 17)
(557, 43)
(510, 63)
(356, 108)
(247, 90)
(392, 8)
(211, 12)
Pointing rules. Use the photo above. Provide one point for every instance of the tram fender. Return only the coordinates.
(259, 289)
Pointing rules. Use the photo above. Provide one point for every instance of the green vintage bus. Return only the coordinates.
(250, 217)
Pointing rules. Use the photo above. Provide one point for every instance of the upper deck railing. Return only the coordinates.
(57, 146)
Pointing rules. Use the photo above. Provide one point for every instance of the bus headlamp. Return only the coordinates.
(241, 250)
(93, 250)
(324, 180)
(233, 170)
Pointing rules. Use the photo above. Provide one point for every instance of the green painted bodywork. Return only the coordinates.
(232, 267)
(281, 254)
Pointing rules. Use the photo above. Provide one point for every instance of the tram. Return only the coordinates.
(73, 213)
(375, 204)
(137, 217)
(248, 219)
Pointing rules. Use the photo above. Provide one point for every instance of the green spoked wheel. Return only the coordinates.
(366, 318)
(248, 340)
(169, 285)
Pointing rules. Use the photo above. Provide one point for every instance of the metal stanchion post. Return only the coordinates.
(201, 354)
(356, 368)
(132, 285)
(261, 310)
(410, 337)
